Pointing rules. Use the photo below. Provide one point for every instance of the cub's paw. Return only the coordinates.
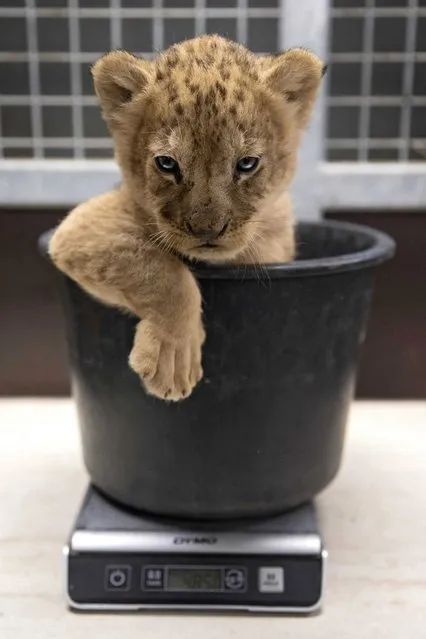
(169, 367)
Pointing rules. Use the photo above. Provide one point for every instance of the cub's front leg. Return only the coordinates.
(101, 247)
(167, 347)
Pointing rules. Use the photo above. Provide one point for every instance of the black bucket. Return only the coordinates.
(264, 430)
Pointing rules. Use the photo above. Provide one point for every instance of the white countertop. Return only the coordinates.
(373, 516)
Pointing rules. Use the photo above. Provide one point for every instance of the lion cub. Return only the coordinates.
(206, 138)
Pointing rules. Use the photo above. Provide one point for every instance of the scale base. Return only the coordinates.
(119, 560)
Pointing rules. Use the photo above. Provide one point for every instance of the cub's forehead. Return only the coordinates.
(209, 90)
(189, 140)
(208, 78)
(208, 131)
(189, 58)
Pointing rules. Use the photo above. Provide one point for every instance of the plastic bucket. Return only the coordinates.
(265, 429)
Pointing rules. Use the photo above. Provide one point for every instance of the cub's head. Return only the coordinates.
(206, 136)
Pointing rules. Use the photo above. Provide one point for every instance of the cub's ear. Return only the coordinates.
(296, 74)
(119, 76)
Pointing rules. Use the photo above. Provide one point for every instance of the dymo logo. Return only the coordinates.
(190, 541)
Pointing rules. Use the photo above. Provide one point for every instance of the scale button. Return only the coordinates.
(271, 579)
(235, 579)
(118, 578)
(153, 577)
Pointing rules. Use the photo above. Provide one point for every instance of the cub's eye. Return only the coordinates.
(166, 164)
(247, 164)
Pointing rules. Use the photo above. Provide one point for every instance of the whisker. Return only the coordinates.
(260, 269)
(253, 263)
(163, 240)
(170, 242)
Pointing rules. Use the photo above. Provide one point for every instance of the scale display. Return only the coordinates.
(193, 578)
(204, 579)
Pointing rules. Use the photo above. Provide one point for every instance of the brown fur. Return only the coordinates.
(206, 102)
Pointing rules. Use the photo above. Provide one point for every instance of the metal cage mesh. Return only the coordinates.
(47, 105)
(376, 107)
(376, 101)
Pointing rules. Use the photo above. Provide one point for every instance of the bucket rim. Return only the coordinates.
(381, 250)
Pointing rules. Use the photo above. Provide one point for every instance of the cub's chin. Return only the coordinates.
(212, 253)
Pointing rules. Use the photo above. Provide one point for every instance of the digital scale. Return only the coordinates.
(119, 560)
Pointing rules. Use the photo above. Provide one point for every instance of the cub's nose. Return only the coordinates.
(203, 233)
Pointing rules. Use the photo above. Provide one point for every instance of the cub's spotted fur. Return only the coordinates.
(206, 137)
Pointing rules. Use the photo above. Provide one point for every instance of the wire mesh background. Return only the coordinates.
(376, 103)
(377, 85)
(48, 107)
